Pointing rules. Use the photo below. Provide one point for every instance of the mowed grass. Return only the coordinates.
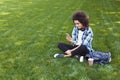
(31, 29)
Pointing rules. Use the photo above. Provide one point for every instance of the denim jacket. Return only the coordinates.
(100, 57)
(87, 37)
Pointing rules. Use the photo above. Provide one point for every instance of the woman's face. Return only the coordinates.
(78, 24)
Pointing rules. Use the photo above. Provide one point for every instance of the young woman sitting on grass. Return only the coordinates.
(81, 39)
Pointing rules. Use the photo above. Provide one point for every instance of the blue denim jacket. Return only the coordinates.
(86, 38)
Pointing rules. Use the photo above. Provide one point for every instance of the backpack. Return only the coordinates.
(99, 57)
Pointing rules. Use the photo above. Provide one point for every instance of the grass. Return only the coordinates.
(31, 29)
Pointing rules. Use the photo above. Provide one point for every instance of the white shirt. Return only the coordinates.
(80, 34)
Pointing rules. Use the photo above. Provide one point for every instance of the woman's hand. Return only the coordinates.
(68, 52)
(68, 38)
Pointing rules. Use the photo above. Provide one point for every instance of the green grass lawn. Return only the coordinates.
(31, 29)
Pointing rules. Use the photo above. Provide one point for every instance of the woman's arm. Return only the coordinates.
(75, 48)
(73, 38)
(69, 39)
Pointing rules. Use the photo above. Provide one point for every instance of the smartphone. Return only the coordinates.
(67, 35)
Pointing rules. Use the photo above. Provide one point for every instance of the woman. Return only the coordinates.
(82, 36)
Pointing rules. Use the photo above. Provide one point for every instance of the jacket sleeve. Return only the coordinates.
(74, 35)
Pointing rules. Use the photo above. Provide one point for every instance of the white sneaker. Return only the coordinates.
(81, 59)
(58, 55)
(55, 55)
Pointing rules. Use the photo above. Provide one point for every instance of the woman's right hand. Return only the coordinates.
(68, 38)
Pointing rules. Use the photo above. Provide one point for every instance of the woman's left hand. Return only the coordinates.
(68, 52)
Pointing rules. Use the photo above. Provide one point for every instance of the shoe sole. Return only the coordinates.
(55, 55)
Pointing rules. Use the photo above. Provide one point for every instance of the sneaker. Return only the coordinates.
(58, 55)
(81, 59)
